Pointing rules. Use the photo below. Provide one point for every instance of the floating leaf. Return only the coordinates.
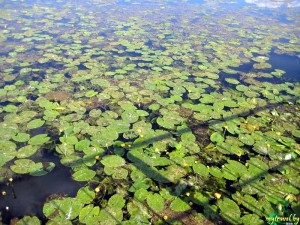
(116, 201)
(21, 137)
(216, 137)
(8, 151)
(33, 124)
(230, 211)
(22, 166)
(29, 220)
(179, 205)
(62, 209)
(27, 151)
(39, 139)
(84, 174)
(155, 202)
(89, 215)
(113, 161)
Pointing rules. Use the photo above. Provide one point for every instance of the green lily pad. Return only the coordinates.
(62, 209)
(230, 211)
(82, 145)
(116, 201)
(216, 137)
(130, 116)
(29, 220)
(40, 169)
(85, 195)
(113, 161)
(83, 174)
(39, 139)
(155, 202)
(232, 81)
(91, 93)
(27, 151)
(89, 215)
(179, 205)
(21, 137)
(201, 169)
(7, 151)
(296, 133)
(22, 166)
(33, 124)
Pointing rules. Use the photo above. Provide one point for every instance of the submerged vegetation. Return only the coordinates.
(165, 114)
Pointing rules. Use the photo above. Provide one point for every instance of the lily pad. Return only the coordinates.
(33, 124)
(113, 161)
(155, 202)
(39, 139)
(230, 211)
(179, 205)
(21, 137)
(83, 174)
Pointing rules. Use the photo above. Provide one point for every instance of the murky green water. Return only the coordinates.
(149, 112)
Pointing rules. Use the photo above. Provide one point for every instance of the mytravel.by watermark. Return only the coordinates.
(292, 219)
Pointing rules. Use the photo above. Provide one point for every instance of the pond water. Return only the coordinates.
(149, 112)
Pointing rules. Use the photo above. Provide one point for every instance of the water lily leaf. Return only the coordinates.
(27, 151)
(141, 194)
(235, 168)
(116, 201)
(249, 202)
(296, 133)
(179, 205)
(91, 93)
(95, 113)
(168, 124)
(138, 212)
(155, 202)
(246, 139)
(120, 173)
(216, 172)
(89, 215)
(104, 137)
(29, 220)
(7, 130)
(61, 209)
(113, 161)
(130, 116)
(257, 166)
(141, 183)
(230, 211)
(69, 140)
(33, 124)
(84, 174)
(65, 149)
(201, 169)
(22, 166)
(21, 137)
(252, 219)
(232, 81)
(119, 126)
(216, 137)
(40, 169)
(130, 135)
(173, 173)
(7, 150)
(39, 139)
(83, 145)
(110, 216)
(85, 195)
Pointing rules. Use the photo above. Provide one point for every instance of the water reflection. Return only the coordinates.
(274, 4)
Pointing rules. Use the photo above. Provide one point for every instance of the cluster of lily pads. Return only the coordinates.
(151, 112)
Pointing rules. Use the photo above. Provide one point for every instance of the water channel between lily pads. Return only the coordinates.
(149, 112)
